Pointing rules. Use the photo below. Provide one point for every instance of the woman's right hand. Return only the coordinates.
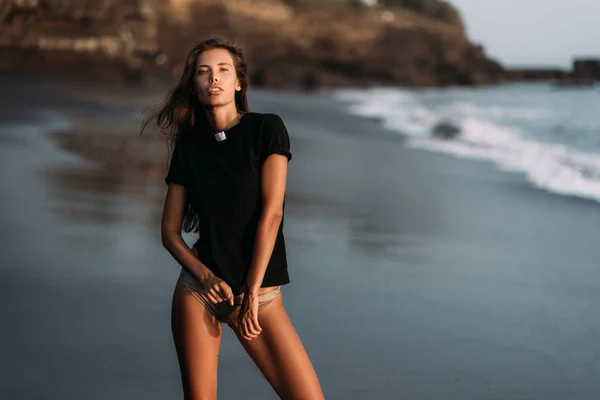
(217, 290)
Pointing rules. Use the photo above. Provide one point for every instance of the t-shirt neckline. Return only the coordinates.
(236, 125)
(231, 131)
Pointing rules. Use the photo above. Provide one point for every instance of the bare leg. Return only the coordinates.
(280, 355)
(197, 337)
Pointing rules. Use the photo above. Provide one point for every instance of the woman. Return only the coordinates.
(227, 181)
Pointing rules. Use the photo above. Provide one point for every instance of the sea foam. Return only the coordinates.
(497, 133)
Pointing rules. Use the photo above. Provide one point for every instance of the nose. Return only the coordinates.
(213, 78)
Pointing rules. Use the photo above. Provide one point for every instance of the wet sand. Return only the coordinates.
(414, 275)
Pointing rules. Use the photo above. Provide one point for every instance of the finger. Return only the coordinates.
(211, 298)
(242, 330)
(252, 328)
(256, 325)
(226, 293)
(229, 295)
(215, 295)
(248, 334)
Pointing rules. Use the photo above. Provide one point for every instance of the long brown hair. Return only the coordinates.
(182, 114)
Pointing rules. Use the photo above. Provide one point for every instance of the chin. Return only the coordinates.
(217, 102)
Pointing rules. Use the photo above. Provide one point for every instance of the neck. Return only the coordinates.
(224, 117)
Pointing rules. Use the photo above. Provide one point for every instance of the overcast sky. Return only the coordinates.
(534, 32)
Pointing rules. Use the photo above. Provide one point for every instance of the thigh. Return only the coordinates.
(197, 336)
(280, 355)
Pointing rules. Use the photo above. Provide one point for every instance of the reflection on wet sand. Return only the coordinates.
(117, 163)
(370, 233)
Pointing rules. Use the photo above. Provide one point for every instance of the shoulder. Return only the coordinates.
(270, 124)
(273, 137)
(263, 119)
(271, 120)
(265, 124)
(182, 146)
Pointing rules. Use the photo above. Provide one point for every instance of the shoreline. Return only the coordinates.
(137, 154)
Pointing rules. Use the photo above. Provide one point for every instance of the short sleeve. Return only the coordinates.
(178, 170)
(274, 138)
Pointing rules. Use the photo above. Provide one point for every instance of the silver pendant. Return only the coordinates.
(219, 137)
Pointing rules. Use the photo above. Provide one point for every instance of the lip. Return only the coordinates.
(215, 93)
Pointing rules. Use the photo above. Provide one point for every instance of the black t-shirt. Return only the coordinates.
(224, 182)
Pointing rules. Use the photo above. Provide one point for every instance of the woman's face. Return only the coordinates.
(215, 79)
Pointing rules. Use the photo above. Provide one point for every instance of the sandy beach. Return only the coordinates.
(414, 275)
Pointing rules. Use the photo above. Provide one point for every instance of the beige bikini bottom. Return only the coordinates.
(223, 309)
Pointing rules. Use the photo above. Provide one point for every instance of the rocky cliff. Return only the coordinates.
(289, 43)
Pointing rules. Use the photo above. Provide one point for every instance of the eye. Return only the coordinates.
(202, 71)
(225, 69)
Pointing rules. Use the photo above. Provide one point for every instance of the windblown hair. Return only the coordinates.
(182, 115)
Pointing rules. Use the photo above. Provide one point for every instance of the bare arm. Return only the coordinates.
(274, 180)
(172, 220)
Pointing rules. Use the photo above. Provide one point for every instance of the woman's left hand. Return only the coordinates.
(248, 325)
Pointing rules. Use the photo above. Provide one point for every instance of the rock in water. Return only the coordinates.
(445, 130)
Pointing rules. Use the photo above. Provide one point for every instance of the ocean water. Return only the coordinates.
(550, 135)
